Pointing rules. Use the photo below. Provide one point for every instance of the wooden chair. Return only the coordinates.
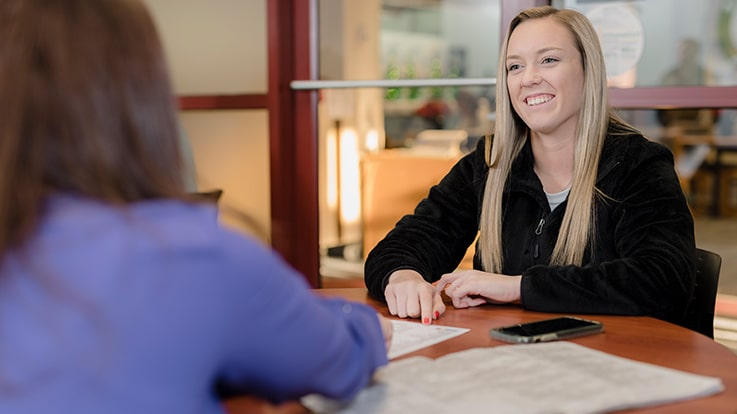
(211, 196)
(700, 312)
(394, 182)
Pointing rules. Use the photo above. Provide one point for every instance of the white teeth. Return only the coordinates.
(538, 100)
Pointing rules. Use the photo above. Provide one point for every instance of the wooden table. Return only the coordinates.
(639, 338)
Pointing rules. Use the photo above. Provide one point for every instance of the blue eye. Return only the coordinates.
(513, 67)
(549, 60)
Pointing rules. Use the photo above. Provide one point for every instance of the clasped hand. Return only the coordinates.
(409, 295)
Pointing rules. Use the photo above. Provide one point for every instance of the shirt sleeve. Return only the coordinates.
(285, 341)
(434, 239)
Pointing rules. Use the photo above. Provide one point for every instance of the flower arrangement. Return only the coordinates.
(434, 112)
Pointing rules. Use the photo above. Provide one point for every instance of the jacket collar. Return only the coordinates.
(523, 174)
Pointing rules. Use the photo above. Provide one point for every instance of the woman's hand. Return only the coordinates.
(409, 295)
(469, 288)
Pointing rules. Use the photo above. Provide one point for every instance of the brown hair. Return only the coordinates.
(88, 108)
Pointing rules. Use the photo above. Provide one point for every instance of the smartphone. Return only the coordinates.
(547, 330)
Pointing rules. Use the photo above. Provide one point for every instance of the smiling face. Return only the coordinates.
(545, 77)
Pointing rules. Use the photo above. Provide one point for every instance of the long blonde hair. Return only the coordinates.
(511, 134)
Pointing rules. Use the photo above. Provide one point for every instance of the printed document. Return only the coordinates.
(411, 336)
(559, 377)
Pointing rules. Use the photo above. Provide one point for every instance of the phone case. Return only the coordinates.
(547, 330)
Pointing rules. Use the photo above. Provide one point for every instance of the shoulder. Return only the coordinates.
(250, 262)
(631, 162)
(151, 221)
(473, 167)
(477, 157)
(626, 144)
(193, 229)
(148, 232)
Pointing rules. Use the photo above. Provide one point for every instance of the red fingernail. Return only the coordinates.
(437, 314)
(426, 321)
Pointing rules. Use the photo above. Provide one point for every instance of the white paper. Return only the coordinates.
(560, 377)
(411, 336)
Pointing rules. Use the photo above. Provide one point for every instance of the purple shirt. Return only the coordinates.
(141, 309)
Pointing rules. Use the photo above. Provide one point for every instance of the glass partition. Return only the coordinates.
(447, 40)
(665, 42)
(406, 40)
(441, 59)
(704, 146)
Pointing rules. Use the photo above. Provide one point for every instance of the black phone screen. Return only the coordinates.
(547, 326)
(547, 330)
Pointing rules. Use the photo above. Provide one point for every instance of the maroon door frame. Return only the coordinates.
(293, 135)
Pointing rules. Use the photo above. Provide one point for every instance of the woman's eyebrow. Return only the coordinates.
(541, 51)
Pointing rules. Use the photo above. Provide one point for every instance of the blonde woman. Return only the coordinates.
(575, 210)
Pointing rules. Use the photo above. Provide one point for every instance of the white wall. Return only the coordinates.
(231, 151)
(214, 46)
(220, 47)
(474, 26)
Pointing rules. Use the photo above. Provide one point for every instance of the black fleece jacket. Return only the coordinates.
(642, 261)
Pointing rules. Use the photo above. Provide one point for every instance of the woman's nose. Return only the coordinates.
(531, 77)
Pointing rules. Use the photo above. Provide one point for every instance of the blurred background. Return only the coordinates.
(320, 171)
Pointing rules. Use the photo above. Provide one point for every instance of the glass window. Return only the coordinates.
(430, 41)
(451, 39)
(665, 42)
(414, 40)
(704, 145)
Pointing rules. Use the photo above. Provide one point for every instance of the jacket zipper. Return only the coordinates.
(541, 223)
(538, 232)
